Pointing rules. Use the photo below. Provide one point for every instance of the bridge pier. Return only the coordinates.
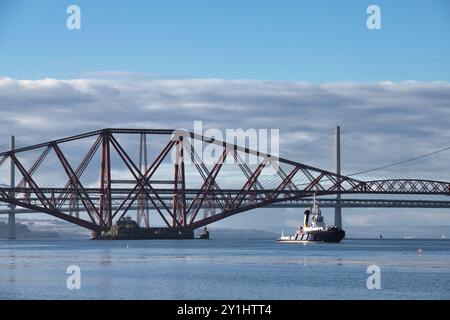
(11, 215)
(338, 209)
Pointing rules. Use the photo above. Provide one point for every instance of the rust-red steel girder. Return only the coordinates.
(296, 181)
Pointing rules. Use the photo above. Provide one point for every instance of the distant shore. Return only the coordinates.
(53, 228)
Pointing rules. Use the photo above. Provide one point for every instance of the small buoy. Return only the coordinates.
(127, 246)
(419, 251)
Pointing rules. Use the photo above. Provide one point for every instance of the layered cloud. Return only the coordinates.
(384, 120)
(381, 122)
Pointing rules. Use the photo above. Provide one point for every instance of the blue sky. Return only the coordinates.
(315, 41)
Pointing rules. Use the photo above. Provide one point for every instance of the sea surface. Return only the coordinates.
(224, 269)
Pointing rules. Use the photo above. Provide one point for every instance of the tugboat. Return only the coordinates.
(316, 231)
(204, 234)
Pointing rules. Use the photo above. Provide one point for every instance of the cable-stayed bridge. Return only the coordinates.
(180, 179)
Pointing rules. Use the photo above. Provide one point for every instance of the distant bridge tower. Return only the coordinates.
(209, 210)
(337, 209)
(74, 205)
(143, 205)
(12, 216)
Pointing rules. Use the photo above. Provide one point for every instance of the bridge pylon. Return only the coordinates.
(338, 208)
(143, 205)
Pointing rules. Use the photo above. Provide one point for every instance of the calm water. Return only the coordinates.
(224, 269)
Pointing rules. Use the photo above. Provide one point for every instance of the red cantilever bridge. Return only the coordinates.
(94, 179)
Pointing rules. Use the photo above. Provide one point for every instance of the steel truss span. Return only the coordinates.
(177, 183)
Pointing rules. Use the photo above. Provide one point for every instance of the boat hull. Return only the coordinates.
(204, 236)
(334, 236)
(148, 234)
